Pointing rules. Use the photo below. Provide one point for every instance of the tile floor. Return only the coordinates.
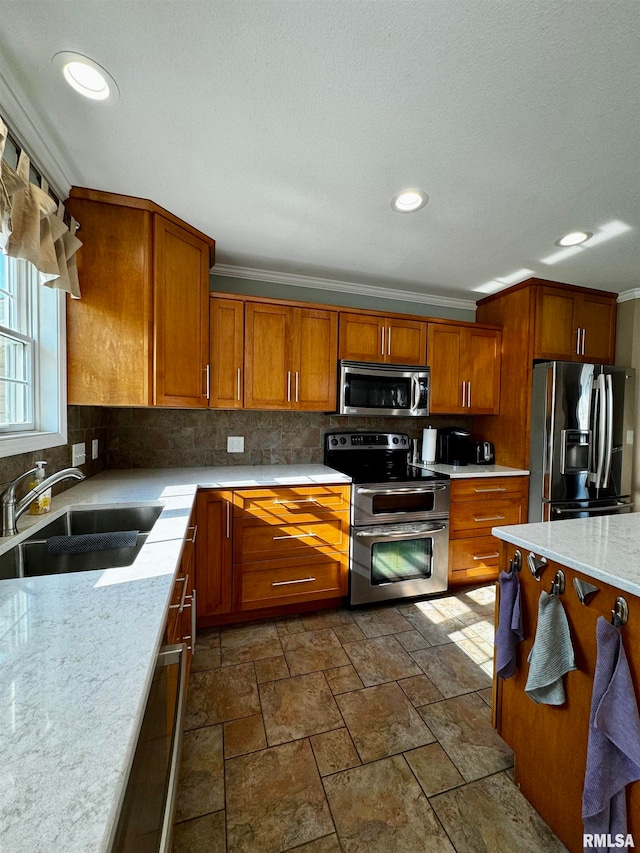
(352, 732)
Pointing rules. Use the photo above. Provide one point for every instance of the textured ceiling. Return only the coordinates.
(284, 127)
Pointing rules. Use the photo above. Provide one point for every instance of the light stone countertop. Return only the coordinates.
(606, 548)
(77, 655)
(459, 472)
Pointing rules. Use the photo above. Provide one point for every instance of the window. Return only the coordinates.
(32, 361)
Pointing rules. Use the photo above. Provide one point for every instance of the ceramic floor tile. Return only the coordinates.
(486, 695)
(298, 707)
(481, 599)
(271, 669)
(206, 659)
(208, 638)
(380, 621)
(328, 844)
(275, 800)
(433, 769)
(343, 679)
(412, 640)
(234, 636)
(437, 628)
(334, 751)
(326, 619)
(201, 786)
(379, 660)
(452, 671)
(492, 815)
(486, 630)
(463, 727)
(420, 691)
(348, 633)
(289, 625)
(202, 835)
(477, 649)
(451, 605)
(382, 721)
(244, 736)
(218, 695)
(313, 651)
(380, 808)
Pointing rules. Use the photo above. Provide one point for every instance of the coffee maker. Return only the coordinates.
(454, 444)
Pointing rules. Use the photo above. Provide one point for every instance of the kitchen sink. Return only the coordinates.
(29, 558)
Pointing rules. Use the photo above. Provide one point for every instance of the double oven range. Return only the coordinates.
(399, 517)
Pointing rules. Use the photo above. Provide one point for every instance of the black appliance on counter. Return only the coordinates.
(399, 517)
(482, 453)
(454, 446)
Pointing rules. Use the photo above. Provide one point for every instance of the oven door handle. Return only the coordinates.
(423, 490)
(406, 534)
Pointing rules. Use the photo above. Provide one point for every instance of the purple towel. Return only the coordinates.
(509, 631)
(613, 752)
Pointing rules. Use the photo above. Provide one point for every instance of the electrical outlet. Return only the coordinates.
(94, 449)
(78, 454)
(235, 444)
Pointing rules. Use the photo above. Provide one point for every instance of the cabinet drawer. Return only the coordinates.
(275, 582)
(478, 517)
(479, 553)
(266, 538)
(478, 488)
(281, 503)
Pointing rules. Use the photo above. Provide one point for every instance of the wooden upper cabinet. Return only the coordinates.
(139, 335)
(290, 357)
(574, 325)
(465, 369)
(394, 340)
(226, 347)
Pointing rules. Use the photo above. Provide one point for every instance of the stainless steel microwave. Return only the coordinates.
(367, 388)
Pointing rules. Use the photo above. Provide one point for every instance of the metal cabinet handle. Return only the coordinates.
(239, 383)
(288, 386)
(485, 556)
(464, 396)
(382, 350)
(194, 534)
(289, 583)
(584, 335)
(297, 386)
(494, 489)
(207, 371)
(228, 519)
(180, 606)
(389, 341)
(469, 394)
(296, 536)
(301, 501)
(489, 518)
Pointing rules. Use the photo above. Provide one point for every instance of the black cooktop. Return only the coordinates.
(374, 457)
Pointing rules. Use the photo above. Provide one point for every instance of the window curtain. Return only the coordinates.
(32, 225)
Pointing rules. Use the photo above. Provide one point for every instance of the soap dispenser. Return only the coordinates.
(42, 504)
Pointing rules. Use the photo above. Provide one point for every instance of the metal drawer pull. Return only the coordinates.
(180, 607)
(194, 534)
(239, 384)
(294, 536)
(485, 556)
(489, 518)
(494, 489)
(284, 502)
(423, 490)
(289, 583)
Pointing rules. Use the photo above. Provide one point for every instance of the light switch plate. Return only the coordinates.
(629, 436)
(235, 444)
(78, 454)
(94, 449)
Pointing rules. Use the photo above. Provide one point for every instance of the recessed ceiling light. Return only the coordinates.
(574, 238)
(408, 201)
(86, 76)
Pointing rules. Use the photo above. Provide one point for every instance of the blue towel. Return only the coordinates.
(613, 752)
(509, 631)
(551, 656)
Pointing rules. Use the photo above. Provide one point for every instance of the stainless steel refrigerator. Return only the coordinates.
(582, 422)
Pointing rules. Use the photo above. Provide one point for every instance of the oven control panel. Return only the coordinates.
(367, 440)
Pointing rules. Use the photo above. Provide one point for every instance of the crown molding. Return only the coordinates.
(626, 295)
(294, 280)
(23, 120)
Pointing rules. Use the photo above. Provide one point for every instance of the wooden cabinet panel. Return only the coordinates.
(444, 357)
(277, 582)
(597, 318)
(361, 337)
(483, 371)
(181, 302)
(297, 502)
(214, 553)
(465, 369)
(406, 341)
(477, 557)
(226, 332)
(575, 325)
(265, 538)
(478, 488)
(315, 370)
(473, 518)
(268, 356)
(556, 325)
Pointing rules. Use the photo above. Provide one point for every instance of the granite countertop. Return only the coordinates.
(606, 548)
(77, 654)
(458, 472)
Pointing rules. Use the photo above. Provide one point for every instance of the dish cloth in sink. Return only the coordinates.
(552, 653)
(84, 542)
(613, 751)
(509, 631)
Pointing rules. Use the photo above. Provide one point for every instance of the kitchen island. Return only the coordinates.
(77, 655)
(550, 742)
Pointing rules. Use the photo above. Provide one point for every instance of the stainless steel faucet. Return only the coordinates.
(12, 509)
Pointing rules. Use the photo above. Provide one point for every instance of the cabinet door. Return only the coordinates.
(361, 337)
(406, 342)
(213, 553)
(482, 370)
(315, 375)
(597, 319)
(268, 356)
(444, 349)
(226, 333)
(181, 316)
(556, 335)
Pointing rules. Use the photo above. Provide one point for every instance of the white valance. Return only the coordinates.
(32, 225)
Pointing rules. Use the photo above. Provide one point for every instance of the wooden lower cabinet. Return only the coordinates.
(550, 742)
(181, 620)
(477, 505)
(270, 548)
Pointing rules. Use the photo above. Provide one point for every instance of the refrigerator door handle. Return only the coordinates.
(601, 420)
(609, 439)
